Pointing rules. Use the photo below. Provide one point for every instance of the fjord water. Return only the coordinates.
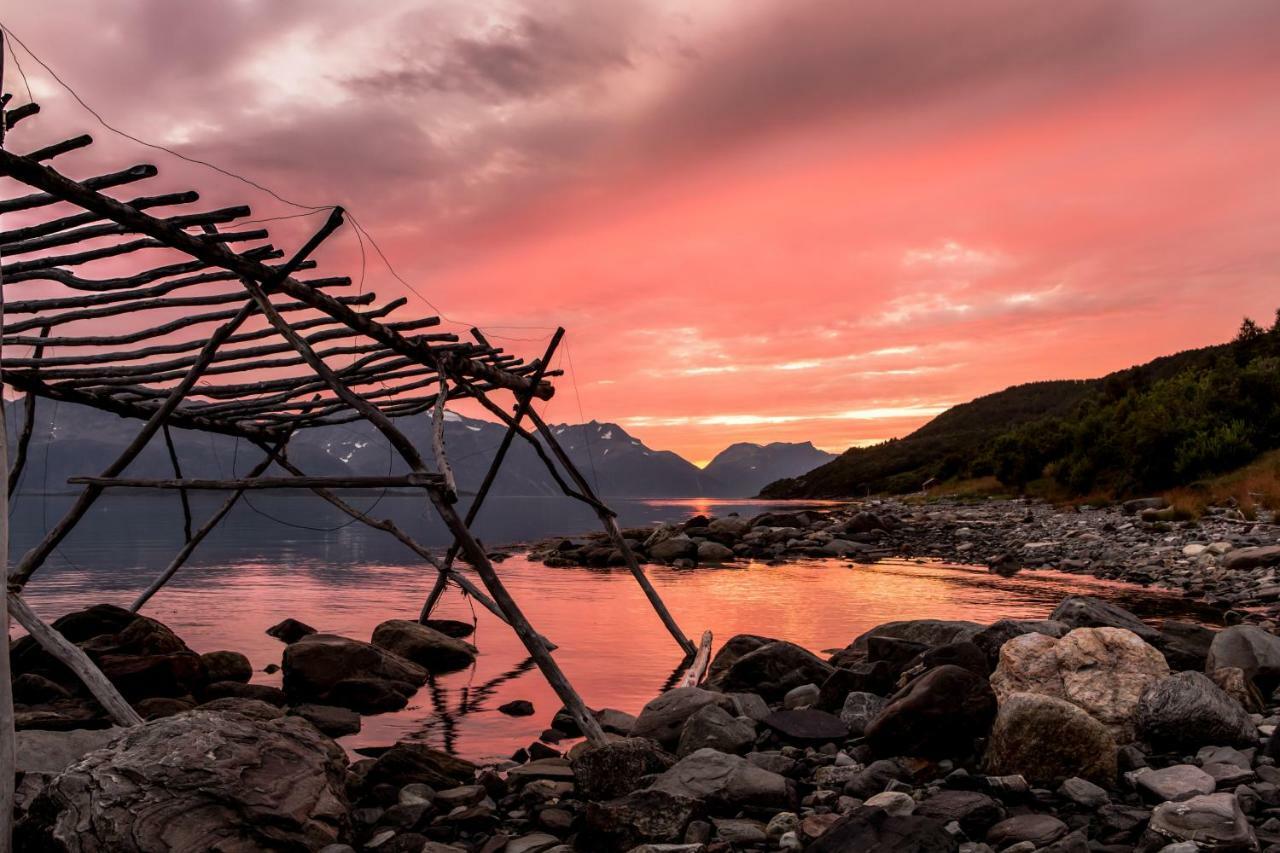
(296, 556)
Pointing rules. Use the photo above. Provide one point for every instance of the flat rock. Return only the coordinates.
(724, 780)
(974, 811)
(1212, 821)
(875, 829)
(1179, 782)
(1085, 611)
(1039, 829)
(53, 751)
(807, 724)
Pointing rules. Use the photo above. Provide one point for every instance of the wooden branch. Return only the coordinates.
(100, 285)
(177, 472)
(100, 182)
(74, 658)
(57, 149)
(273, 454)
(693, 675)
(76, 219)
(28, 426)
(17, 114)
(89, 255)
(437, 441)
(67, 237)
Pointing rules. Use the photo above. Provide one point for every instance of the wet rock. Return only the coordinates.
(197, 781)
(336, 670)
(1039, 829)
(1213, 821)
(1250, 649)
(451, 627)
(615, 769)
(408, 763)
(1187, 709)
(875, 829)
(729, 654)
(859, 710)
(937, 715)
(332, 720)
(675, 548)
(369, 695)
(974, 811)
(1104, 671)
(1047, 740)
(714, 552)
(725, 781)
(928, 632)
(1179, 782)
(290, 630)
(647, 815)
(1083, 793)
(1085, 611)
(226, 666)
(712, 726)
(517, 708)
(1185, 644)
(663, 718)
(428, 648)
(773, 669)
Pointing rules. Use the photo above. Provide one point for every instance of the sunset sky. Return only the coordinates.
(759, 220)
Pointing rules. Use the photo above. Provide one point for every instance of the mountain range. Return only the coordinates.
(74, 441)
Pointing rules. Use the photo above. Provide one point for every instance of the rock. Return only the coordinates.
(1085, 611)
(875, 829)
(614, 721)
(897, 654)
(290, 630)
(408, 763)
(844, 548)
(615, 769)
(964, 654)
(873, 778)
(451, 627)
(332, 720)
(336, 670)
(226, 666)
(1083, 793)
(712, 726)
(807, 724)
(369, 695)
(773, 669)
(1213, 822)
(52, 752)
(1185, 644)
(253, 708)
(1104, 671)
(928, 632)
(1243, 559)
(801, 697)
(725, 781)
(1187, 709)
(859, 710)
(729, 654)
(156, 707)
(517, 708)
(1137, 505)
(645, 815)
(938, 715)
(1040, 829)
(675, 548)
(663, 718)
(196, 781)
(1236, 684)
(556, 769)
(894, 802)
(739, 832)
(238, 690)
(32, 689)
(428, 648)
(714, 552)
(1171, 784)
(1047, 739)
(534, 842)
(974, 811)
(1250, 649)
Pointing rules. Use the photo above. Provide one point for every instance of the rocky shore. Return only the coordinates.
(1222, 558)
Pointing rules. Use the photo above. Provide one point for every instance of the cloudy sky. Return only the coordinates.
(758, 220)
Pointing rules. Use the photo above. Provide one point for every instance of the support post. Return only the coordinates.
(177, 472)
(75, 660)
(28, 425)
(523, 401)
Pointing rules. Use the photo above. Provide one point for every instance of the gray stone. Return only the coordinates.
(808, 724)
(1039, 829)
(1213, 821)
(615, 769)
(1187, 709)
(1179, 782)
(1250, 649)
(975, 812)
(1085, 611)
(1083, 793)
(774, 668)
(226, 666)
(1047, 740)
(738, 831)
(873, 829)
(427, 647)
(675, 548)
(894, 802)
(859, 710)
(330, 719)
(801, 697)
(54, 751)
(724, 780)
(937, 715)
(318, 663)
(1243, 559)
(712, 726)
(714, 552)
(647, 815)
(663, 718)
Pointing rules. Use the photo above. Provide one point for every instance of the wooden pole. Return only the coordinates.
(74, 658)
(177, 472)
(523, 401)
(693, 675)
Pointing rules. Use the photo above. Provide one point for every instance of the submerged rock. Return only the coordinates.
(427, 647)
(335, 670)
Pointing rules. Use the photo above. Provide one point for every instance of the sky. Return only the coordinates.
(758, 221)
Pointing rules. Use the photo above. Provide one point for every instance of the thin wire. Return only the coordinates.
(13, 54)
(582, 419)
(153, 145)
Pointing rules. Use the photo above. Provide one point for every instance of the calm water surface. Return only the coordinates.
(256, 570)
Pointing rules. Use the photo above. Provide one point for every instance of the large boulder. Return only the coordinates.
(938, 715)
(992, 638)
(1185, 644)
(333, 670)
(427, 647)
(927, 632)
(226, 666)
(1104, 671)
(733, 649)
(714, 727)
(1248, 648)
(647, 815)
(725, 782)
(51, 751)
(676, 548)
(870, 828)
(1085, 611)
(1187, 710)
(773, 669)
(1047, 740)
(200, 780)
(663, 718)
